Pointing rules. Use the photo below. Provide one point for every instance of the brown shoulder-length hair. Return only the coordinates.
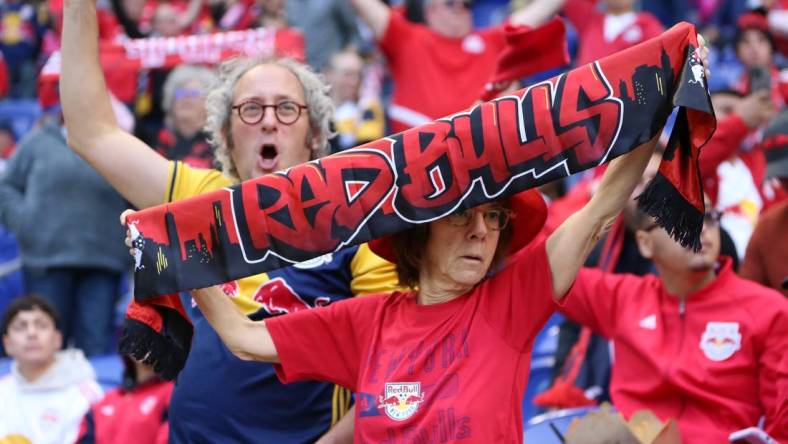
(410, 245)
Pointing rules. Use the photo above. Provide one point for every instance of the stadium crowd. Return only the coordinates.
(699, 338)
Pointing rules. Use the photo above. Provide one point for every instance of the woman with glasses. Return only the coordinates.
(447, 359)
(696, 343)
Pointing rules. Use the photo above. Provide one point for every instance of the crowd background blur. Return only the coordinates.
(58, 218)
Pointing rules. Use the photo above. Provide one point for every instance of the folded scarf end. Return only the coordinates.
(679, 218)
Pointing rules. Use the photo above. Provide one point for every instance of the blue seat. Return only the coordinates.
(5, 366)
(21, 114)
(538, 381)
(546, 341)
(11, 282)
(542, 429)
(109, 370)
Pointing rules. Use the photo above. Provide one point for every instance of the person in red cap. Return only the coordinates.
(449, 358)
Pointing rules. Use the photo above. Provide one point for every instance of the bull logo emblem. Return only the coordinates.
(698, 71)
(137, 243)
(720, 340)
(401, 400)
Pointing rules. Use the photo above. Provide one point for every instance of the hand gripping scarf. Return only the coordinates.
(572, 122)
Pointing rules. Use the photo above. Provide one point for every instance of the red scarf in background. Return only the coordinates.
(545, 132)
(122, 61)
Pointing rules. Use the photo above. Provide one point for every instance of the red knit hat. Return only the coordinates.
(528, 218)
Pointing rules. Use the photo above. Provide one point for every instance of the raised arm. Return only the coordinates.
(375, 14)
(569, 245)
(133, 168)
(247, 339)
(536, 12)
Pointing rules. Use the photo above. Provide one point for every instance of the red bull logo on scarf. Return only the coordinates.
(720, 340)
(400, 400)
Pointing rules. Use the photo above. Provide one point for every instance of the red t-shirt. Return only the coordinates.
(455, 371)
(714, 369)
(435, 76)
(590, 25)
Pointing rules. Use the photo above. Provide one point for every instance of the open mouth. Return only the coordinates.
(471, 257)
(268, 157)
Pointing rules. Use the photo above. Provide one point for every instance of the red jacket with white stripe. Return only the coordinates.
(712, 362)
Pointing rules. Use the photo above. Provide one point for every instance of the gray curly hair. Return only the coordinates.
(219, 102)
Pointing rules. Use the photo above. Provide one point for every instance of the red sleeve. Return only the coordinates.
(596, 298)
(773, 370)
(398, 36)
(725, 141)
(578, 12)
(518, 300)
(324, 343)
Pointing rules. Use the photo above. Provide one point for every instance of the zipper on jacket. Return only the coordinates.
(682, 312)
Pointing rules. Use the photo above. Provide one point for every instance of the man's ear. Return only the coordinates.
(645, 244)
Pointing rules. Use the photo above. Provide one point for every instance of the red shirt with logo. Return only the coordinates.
(712, 363)
(455, 371)
(591, 23)
(435, 76)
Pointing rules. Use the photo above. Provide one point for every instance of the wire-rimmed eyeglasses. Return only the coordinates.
(496, 219)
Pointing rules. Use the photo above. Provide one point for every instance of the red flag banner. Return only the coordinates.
(547, 131)
(122, 61)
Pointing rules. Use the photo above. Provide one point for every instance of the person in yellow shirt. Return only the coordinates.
(264, 115)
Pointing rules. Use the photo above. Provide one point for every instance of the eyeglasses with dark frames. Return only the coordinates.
(496, 219)
(251, 112)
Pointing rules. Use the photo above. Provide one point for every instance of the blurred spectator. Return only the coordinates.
(328, 26)
(135, 413)
(766, 260)
(129, 15)
(64, 216)
(170, 18)
(732, 164)
(20, 37)
(182, 137)
(48, 392)
(604, 33)
(754, 46)
(693, 344)
(357, 119)
(440, 68)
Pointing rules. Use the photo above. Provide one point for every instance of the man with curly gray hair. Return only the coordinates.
(263, 116)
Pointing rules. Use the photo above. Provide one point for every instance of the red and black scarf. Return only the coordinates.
(547, 131)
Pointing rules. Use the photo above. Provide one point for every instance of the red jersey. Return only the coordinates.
(454, 371)
(435, 76)
(712, 363)
(596, 41)
(138, 415)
